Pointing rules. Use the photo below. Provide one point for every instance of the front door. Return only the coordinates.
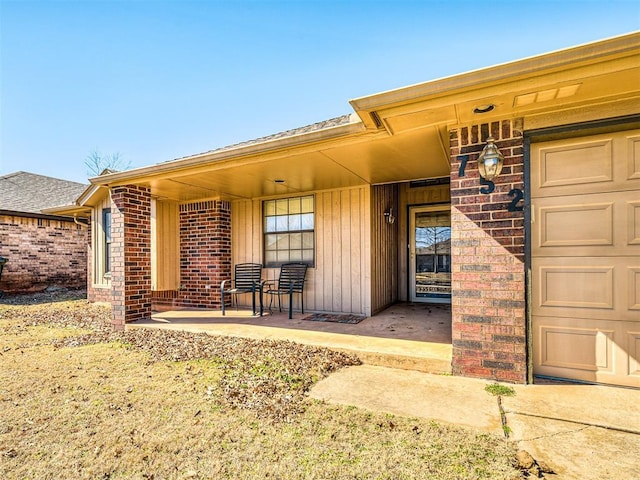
(430, 254)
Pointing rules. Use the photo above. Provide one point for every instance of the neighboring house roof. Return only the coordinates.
(31, 193)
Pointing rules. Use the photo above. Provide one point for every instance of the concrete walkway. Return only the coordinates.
(580, 431)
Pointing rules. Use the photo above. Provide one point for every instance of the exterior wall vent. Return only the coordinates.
(376, 119)
(430, 182)
(546, 95)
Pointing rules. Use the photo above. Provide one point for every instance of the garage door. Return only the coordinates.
(585, 258)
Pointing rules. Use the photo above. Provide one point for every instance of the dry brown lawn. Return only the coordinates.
(78, 402)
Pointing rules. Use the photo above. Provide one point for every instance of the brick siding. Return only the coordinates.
(42, 252)
(205, 252)
(487, 249)
(131, 254)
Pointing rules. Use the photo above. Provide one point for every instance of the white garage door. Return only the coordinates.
(585, 249)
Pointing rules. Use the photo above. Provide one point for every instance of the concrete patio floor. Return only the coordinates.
(410, 336)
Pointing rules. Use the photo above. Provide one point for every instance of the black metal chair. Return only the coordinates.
(290, 281)
(247, 278)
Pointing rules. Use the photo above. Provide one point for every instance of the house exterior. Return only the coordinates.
(43, 250)
(541, 264)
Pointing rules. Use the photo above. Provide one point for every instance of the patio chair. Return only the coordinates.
(290, 281)
(247, 278)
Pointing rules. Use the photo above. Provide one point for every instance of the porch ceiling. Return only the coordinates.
(364, 160)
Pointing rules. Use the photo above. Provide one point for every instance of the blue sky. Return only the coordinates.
(157, 80)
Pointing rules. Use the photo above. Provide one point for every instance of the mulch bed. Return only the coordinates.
(329, 317)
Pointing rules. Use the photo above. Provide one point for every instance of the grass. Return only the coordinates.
(76, 402)
(498, 390)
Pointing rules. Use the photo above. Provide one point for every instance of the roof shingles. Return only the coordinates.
(332, 122)
(31, 193)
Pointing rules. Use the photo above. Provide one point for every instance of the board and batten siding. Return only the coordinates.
(384, 247)
(340, 281)
(165, 245)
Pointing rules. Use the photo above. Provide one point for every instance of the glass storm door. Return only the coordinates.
(430, 254)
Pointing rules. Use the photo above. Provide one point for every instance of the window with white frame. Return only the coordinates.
(106, 229)
(289, 231)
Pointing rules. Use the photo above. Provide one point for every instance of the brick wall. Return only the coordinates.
(487, 248)
(205, 252)
(42, 252)
(131, 254)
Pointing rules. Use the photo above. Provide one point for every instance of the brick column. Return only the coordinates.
(205, 252)
(131, 254)
(487, 249)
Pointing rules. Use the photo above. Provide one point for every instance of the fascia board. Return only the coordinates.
(84, 200)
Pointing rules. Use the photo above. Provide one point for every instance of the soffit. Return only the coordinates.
(371, 160)
(609, 81)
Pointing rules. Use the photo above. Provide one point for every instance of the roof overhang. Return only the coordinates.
(58, 213)
(83, 205)
(69, 211)
(599, 73)
(402, 135)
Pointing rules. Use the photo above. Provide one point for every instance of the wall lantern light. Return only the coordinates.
(490, 160)
(389, 216)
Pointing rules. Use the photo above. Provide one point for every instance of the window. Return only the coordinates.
(289, 231)
(106, 228)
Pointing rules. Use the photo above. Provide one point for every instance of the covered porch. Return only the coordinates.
(412, 336)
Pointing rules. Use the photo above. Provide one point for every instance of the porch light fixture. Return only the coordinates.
(490, 160)
(389, 216)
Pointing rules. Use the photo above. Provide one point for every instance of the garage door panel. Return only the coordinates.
(633, 296)
(577, 163)
(633, 156)
(586, 287)
(587, 350)
(634, 353)
(633, 222)
(580, 166)
(585, 225)
(576, 225)
(576, 287)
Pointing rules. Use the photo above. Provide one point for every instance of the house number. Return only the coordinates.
(463, 164)
(488, 187)
(517, 195)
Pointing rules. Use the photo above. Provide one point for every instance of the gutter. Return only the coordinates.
(43, 216)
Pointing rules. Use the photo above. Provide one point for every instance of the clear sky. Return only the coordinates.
(158, 80)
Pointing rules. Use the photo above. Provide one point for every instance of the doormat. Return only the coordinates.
(330, 317)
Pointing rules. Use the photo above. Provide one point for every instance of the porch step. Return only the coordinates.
(367, 340)
(424, 364)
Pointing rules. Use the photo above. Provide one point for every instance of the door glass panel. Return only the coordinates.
(432, 256)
